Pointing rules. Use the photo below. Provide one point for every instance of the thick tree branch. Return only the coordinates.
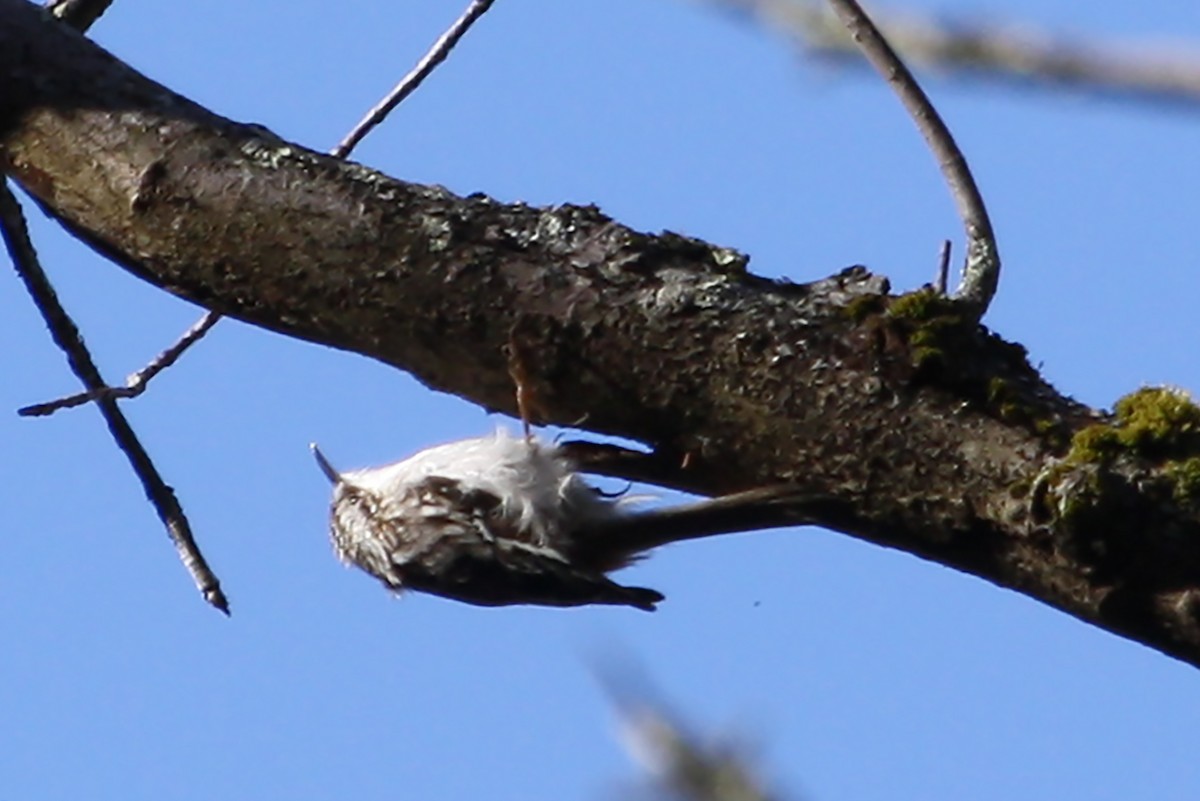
(918, 428)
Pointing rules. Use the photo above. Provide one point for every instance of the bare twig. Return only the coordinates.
(436, 55)
(79, 14)
(136, 384)
(66, 335)
(990, 50)
(981, 271)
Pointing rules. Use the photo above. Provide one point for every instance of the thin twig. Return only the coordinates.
(136, 384)
(981, 272)
(79, 14)
(436, 55)
(66, 335)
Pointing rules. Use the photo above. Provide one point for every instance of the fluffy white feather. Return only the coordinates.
(537, 485)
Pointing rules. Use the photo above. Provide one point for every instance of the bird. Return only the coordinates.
(501, 519)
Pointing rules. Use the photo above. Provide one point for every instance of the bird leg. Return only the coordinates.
(519, 357)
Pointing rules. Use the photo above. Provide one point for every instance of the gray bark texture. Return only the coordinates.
(914, 428)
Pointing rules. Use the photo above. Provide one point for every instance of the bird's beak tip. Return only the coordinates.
(326, 468)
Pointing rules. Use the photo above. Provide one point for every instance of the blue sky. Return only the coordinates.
(858, 673)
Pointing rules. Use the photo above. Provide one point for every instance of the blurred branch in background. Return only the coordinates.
(682, 765)
(1162, 72)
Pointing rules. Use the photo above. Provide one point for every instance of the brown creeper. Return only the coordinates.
(503, 520)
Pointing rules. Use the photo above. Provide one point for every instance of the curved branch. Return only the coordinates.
(907, 423)
(981, 270)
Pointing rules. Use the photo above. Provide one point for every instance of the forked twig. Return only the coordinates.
(66, 335)
(981, 271)
(408, 84)
(136, 384)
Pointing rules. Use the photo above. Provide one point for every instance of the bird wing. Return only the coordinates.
(501, 576)
(456, 543)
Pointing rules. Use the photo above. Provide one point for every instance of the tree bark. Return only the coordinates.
(919, 429)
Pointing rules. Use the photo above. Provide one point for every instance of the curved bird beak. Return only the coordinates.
(333, 475)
